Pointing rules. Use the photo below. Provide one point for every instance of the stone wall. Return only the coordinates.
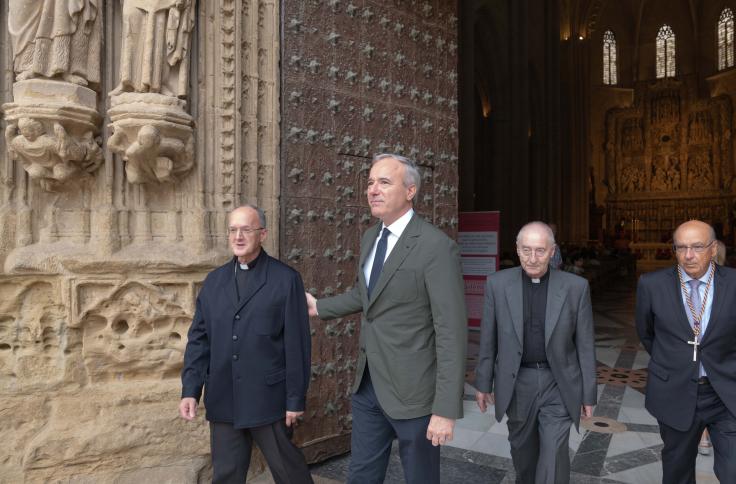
(125, 143)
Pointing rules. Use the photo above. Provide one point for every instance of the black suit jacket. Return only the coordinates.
(252, 354)
(664, 330)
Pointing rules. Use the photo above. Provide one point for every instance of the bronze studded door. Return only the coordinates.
(359, 77)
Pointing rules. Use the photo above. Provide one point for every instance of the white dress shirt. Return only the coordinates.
(396, 229)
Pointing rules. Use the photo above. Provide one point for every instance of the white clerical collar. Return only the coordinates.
(244, 266)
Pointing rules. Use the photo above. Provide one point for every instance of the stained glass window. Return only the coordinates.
(665, 52)
(725, 39)
(610, 75)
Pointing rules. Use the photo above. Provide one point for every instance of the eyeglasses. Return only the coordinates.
(238, 231)
(528, 251)
(697, 248)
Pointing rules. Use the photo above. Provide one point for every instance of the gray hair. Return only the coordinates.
(411, 170)
(259, 211)
(538, 225)
(720, 257)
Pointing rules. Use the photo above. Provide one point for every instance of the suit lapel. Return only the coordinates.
(231, 284)
(403, 246)
(256, 279)
(515, 300)
(555, 300)
(720, 289)
(675, 295)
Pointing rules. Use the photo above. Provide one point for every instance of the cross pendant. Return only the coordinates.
(695, 344)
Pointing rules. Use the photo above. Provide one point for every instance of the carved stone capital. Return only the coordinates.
(154, 135)
(52, 130)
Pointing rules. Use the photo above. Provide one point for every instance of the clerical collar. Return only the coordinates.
(250, 265)
(535, 280)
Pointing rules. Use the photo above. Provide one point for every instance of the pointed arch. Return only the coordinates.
(665, 52)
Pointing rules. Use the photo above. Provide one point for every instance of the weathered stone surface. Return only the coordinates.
(153, 134)
(102, 252)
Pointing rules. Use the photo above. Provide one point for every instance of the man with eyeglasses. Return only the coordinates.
(249, 347)
(686, 320)
(537, 357)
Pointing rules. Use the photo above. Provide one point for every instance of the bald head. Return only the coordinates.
(535, 245)
(694, 247)
(695, 226)
(247, 208)
(536, 227)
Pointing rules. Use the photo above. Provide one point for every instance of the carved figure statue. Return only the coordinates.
(673, 173)
(55, 39)
(152, 157)
(155, 49)
(666, 175)
(50, 159)
(632, 179)
(699, 173)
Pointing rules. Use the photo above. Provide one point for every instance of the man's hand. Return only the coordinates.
(291, 418)
(586, 411)
(484, 400)
(188, 408)
(311, 304)
(439, 430)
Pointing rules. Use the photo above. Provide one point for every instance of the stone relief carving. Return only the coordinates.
(32, 334)
(152, 130)
(699, 172)
(669, 157)
(52, 123)
(632, 139)
(700, 128)
(155, 48)
(666, 174)
(136, 329)
(51, 156)
(153, 156)
(71, 373)
(632, 179)
(57, 39)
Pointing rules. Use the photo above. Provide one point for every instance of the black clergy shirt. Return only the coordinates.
(535, 308)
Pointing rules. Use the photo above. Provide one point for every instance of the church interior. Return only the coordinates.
(132, 127)
(612, 120)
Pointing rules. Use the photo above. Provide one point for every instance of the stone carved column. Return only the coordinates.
(152, 130)
(52, 123)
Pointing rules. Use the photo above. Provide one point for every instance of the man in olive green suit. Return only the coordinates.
(410, 376)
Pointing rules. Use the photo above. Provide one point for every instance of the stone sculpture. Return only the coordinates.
(51, 158)
(151, 129)
(55, 39)
(152, 157)
(155, 49)
(53, 121)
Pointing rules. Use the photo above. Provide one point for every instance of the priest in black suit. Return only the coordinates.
(686, 320)
(249, 347)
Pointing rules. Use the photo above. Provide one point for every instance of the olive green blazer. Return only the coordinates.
(413, 329)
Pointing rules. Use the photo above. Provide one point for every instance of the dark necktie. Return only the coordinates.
(378, 260)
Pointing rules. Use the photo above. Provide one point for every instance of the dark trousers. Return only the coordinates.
(373, 433)
(681, 448)
(539, 429)
(231, 450)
